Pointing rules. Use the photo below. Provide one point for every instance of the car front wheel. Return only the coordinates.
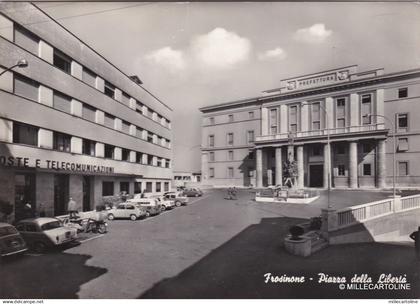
(133, 217)
(40, 247)
(111, 217)
(178, 203)
(163, 208)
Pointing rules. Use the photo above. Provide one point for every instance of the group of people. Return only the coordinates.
(231, 193)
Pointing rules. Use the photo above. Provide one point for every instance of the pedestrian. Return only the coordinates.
(28, 213)
(234, 193)
(416, 237)
(229, 191)
(72, 208)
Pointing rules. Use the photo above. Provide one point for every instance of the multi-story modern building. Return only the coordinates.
(245, 142)
(71, 123)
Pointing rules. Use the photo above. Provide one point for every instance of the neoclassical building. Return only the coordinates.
(350, 114)
(71, 122)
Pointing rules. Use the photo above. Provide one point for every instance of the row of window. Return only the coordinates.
(230, 118)
(108, 188)
(29, 88)
(28, 135)
(250, 138)
(30, 42)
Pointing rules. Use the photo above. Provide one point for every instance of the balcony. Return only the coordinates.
(336, 132)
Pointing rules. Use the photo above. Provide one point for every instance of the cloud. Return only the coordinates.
(315, 34)
(168, 57)
(274, 54)
(220, 49)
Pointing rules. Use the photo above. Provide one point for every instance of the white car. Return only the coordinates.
(166, 204)
(126, 210)
(151, 206)
(177, 197)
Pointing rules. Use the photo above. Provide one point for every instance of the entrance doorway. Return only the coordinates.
(86, 193)
(316, 173)
(25, 196)
(61, 193)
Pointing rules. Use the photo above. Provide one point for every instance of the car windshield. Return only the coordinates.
(51, 225)
(8, 230)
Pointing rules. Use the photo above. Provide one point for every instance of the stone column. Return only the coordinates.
(299, 159)
(279, 167)
(259, 168)
(381, 178)
(353, 164)
(326, 165)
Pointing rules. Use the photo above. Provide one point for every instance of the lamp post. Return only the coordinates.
(22, 63)
(327, 129)
(394, 148)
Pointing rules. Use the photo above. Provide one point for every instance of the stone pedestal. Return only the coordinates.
(329, 221)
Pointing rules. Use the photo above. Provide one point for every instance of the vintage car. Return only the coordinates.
(11, 242)
(192, 192)
(166, 204)
(126, 210)
(178, 197)
(45, 232)
(151, 206)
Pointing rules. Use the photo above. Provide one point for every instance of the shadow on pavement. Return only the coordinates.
(236, 269)
(53, 275)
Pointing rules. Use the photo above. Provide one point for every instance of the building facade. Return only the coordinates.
(341, 114)
(71, 123)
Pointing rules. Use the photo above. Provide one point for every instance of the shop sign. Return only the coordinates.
(26, 162)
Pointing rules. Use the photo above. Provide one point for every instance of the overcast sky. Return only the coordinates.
(196, 54)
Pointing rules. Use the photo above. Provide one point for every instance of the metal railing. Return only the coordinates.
(323, 132)
(410, 202)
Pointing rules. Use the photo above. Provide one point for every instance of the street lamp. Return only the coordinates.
(329, 153)
(394, 148)
(22, 63)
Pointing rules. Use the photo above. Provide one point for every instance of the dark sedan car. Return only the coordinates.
(192, 192)
(11, 241)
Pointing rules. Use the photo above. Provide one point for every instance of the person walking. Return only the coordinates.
(234, 193)
(416, 237)
(229, 192)
(72, 208)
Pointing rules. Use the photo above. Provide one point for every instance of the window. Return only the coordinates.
(315, 116)
(341, 170)
(230, 118)
(158, 186)
(341, 112)
(367, 169)
(137, 187)
(109, 151)
(25, 134)
(30, 227)
(402, 122)
(230, 172)
(402, 168)
(62, 61)
(149, 137)
(403, 144)
(251, 155)
(211, 156)
(139, 132)
(316, 151)
(26, 87)
(250, 172)
(89, 77)
(211, 172)
(107, 188)
(125, 154)
(109, 89)
(61, 142)
(125, 98)
(402, 92)
(293, 119)
(211, 120)
(211, 140)
(150, 160)
(125, 186)
(148, 187)
(230, 139)
(89, 112)
(139, 157)
(273, 121)
(126, 127)
(109, 121)
(62, 102)
(159, 162)
(230, 155)
(26, 39)
(166, 186)
(251, 115)
(366, 110)
(167, 163)
(251, 136)
(88, 147)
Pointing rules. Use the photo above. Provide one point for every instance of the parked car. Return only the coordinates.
(45, 232)
(166, 204)
(11, 242)
(177, 197)
(126, 210)
(192, 192)
(151, 206)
